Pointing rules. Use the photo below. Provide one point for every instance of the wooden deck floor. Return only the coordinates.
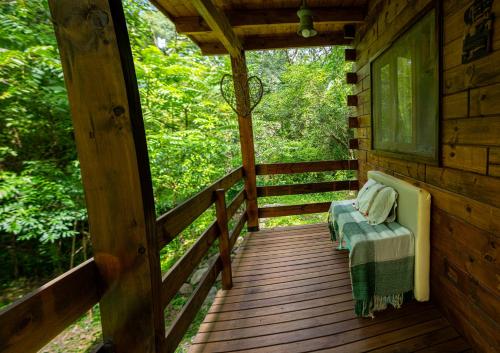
(292, 293)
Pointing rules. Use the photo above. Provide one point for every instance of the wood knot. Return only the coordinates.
(98, 19)
(452, 154)
(468, 209)
(141, 250)
(118, 116)
(118, 110)
(25, 322)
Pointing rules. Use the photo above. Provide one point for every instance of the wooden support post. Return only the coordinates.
(224, 248)
(111, 143)
(240, 78)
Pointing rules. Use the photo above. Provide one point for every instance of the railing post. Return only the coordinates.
(225, 254)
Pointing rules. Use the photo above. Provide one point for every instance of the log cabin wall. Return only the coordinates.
(465, 229)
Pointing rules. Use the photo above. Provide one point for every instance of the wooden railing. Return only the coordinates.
(297, 189)
(33, 321)
(30, 323)
(176, 220)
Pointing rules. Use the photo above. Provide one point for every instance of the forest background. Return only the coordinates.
(192, 137)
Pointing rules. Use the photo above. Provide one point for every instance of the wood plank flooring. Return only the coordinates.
(292, 293)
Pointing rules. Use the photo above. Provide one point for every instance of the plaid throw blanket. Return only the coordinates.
(381, 258)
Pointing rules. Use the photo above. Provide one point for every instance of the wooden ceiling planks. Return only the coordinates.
(279, 42)
(261, 24)
(263, 19)
(278, 31)
(271, 4)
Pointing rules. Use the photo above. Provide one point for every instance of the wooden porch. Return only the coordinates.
(288, 289)
(292, 293)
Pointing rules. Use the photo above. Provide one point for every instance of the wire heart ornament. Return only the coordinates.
(228, 91)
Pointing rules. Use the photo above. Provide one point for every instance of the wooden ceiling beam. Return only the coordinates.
(242, 18)
(219, 24)
(279, 42)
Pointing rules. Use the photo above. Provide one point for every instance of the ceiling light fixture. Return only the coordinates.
(306, 27)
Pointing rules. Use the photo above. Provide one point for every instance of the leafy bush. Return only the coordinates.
(192, 134)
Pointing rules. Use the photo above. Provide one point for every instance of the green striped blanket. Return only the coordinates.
(381, 258)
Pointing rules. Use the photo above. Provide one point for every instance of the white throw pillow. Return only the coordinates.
(361, 192)
(393, 215)
(382, 205)
(367, 198)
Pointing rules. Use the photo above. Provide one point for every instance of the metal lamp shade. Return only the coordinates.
(306, 27)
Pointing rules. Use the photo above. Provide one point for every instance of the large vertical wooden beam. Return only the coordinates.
(240, 77)
(110, 138)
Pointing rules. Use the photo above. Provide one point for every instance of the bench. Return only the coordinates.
(389, 255)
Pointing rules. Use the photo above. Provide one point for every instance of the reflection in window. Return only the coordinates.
(405, 102)
(405, 93)
(385, 91)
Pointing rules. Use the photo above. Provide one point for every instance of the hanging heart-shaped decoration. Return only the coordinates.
(256, 91)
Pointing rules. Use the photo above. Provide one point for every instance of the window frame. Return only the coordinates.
(435, 158)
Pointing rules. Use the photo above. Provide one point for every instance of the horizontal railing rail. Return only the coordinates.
(306, 167)
(177, 219)
(310, 188)
(235, 204)
(293, 210)
(185, 318)
(307, 188)
(180, 272)
(235, 233)
(33, 321)
(182, 269)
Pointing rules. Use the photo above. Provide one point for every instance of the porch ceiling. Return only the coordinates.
(262, 24)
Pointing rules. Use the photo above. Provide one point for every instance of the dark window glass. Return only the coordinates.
(405, 93)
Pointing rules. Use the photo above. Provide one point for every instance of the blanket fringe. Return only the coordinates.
(366, 308)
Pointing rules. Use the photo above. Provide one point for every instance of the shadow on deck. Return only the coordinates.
(292, 293)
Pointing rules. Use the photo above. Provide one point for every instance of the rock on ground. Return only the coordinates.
(186, 289)
(197, 276)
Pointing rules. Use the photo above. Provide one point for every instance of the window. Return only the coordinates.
(405, 93)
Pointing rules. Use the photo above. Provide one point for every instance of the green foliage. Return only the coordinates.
(34, 122)
(42, 202)
(41, 198)
(303, 115)
(192, 134)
